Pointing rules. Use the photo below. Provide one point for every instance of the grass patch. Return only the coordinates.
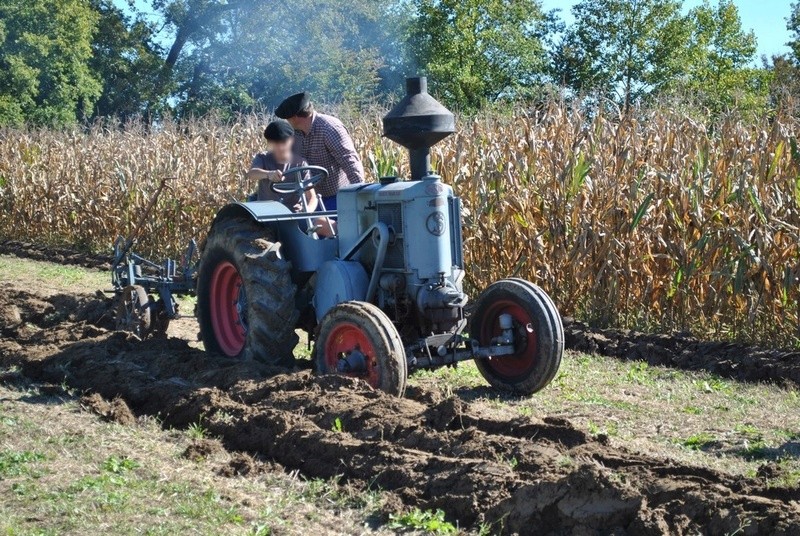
(16, 463)
(54, 275)
(699, 441)
(132, 480)
(196, 431)
(650, 408)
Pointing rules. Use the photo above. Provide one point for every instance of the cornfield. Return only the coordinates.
(653, 221)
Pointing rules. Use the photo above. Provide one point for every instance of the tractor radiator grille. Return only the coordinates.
(392, 215)
(456, 242)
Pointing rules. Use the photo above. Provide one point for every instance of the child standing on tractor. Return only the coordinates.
(268, 167)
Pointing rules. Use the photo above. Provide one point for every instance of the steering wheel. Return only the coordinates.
(301, 185)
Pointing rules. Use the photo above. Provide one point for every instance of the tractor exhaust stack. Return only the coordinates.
(417, 123)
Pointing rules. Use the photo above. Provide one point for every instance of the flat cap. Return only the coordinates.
(278, 130)
(291, 105)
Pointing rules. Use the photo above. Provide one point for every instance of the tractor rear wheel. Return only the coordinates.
(538, 336)
(245, 295)
(358, 339)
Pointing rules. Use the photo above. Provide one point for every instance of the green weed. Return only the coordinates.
(197, 431)
(698, 441)
(13, 463)
(337, 425)
(713, 385)
(416, 519)
(119, 466)
(641, 373)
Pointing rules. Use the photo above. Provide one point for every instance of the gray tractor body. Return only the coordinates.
(398, 246)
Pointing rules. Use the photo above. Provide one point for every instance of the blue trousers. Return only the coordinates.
(329, 202)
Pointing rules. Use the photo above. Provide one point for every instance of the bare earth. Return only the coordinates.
(612, 446)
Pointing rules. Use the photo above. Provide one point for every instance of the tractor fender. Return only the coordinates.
(338, 282)
(305, 252)
(260, 211)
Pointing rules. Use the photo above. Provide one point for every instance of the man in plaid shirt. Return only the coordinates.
(322, 140)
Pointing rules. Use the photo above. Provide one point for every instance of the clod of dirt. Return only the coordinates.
(243, 464)
(23, 314)
(13, 378)
(10, 317)
(202, 449)
(115, 411)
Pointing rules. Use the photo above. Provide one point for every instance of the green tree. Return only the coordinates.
(128, 63)
(479, 50)
(719, 69)
(785, 70)
(784, 86)
(793, 25)
(45, 46)
(242, 55)
(622, 48)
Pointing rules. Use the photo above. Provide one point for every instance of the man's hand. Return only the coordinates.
(257, 174)
(274, 176)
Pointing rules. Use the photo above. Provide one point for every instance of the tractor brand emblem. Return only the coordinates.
(436, 223)
(434, 189)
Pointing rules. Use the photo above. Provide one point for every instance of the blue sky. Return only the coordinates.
(767, 18)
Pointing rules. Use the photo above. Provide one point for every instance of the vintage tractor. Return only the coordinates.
(384, 296)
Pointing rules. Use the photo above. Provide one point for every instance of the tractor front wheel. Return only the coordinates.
(538, 336)
(358, 339)
(245, 295)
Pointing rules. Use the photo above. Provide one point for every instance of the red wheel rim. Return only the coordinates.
(344, 339)
(523, 361)
(226, 301)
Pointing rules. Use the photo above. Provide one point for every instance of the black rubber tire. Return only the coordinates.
(556, 320)
(271, 314)
(390, 358)
(544, 360)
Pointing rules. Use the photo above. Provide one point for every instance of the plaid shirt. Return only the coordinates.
(329, 145)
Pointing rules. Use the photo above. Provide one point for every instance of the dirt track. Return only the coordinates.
(60, 255)
(427, 450)
(732, 360)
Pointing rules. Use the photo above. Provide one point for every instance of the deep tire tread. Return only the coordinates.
(271, 312)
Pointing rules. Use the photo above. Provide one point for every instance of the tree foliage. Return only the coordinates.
(45, 47)
(720, 54)
(128, 62)
(624, 49)
(260, 58)
(793, 25)
(478, 50)
(65, 60)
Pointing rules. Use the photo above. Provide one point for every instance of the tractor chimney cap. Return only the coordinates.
(418, 121)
